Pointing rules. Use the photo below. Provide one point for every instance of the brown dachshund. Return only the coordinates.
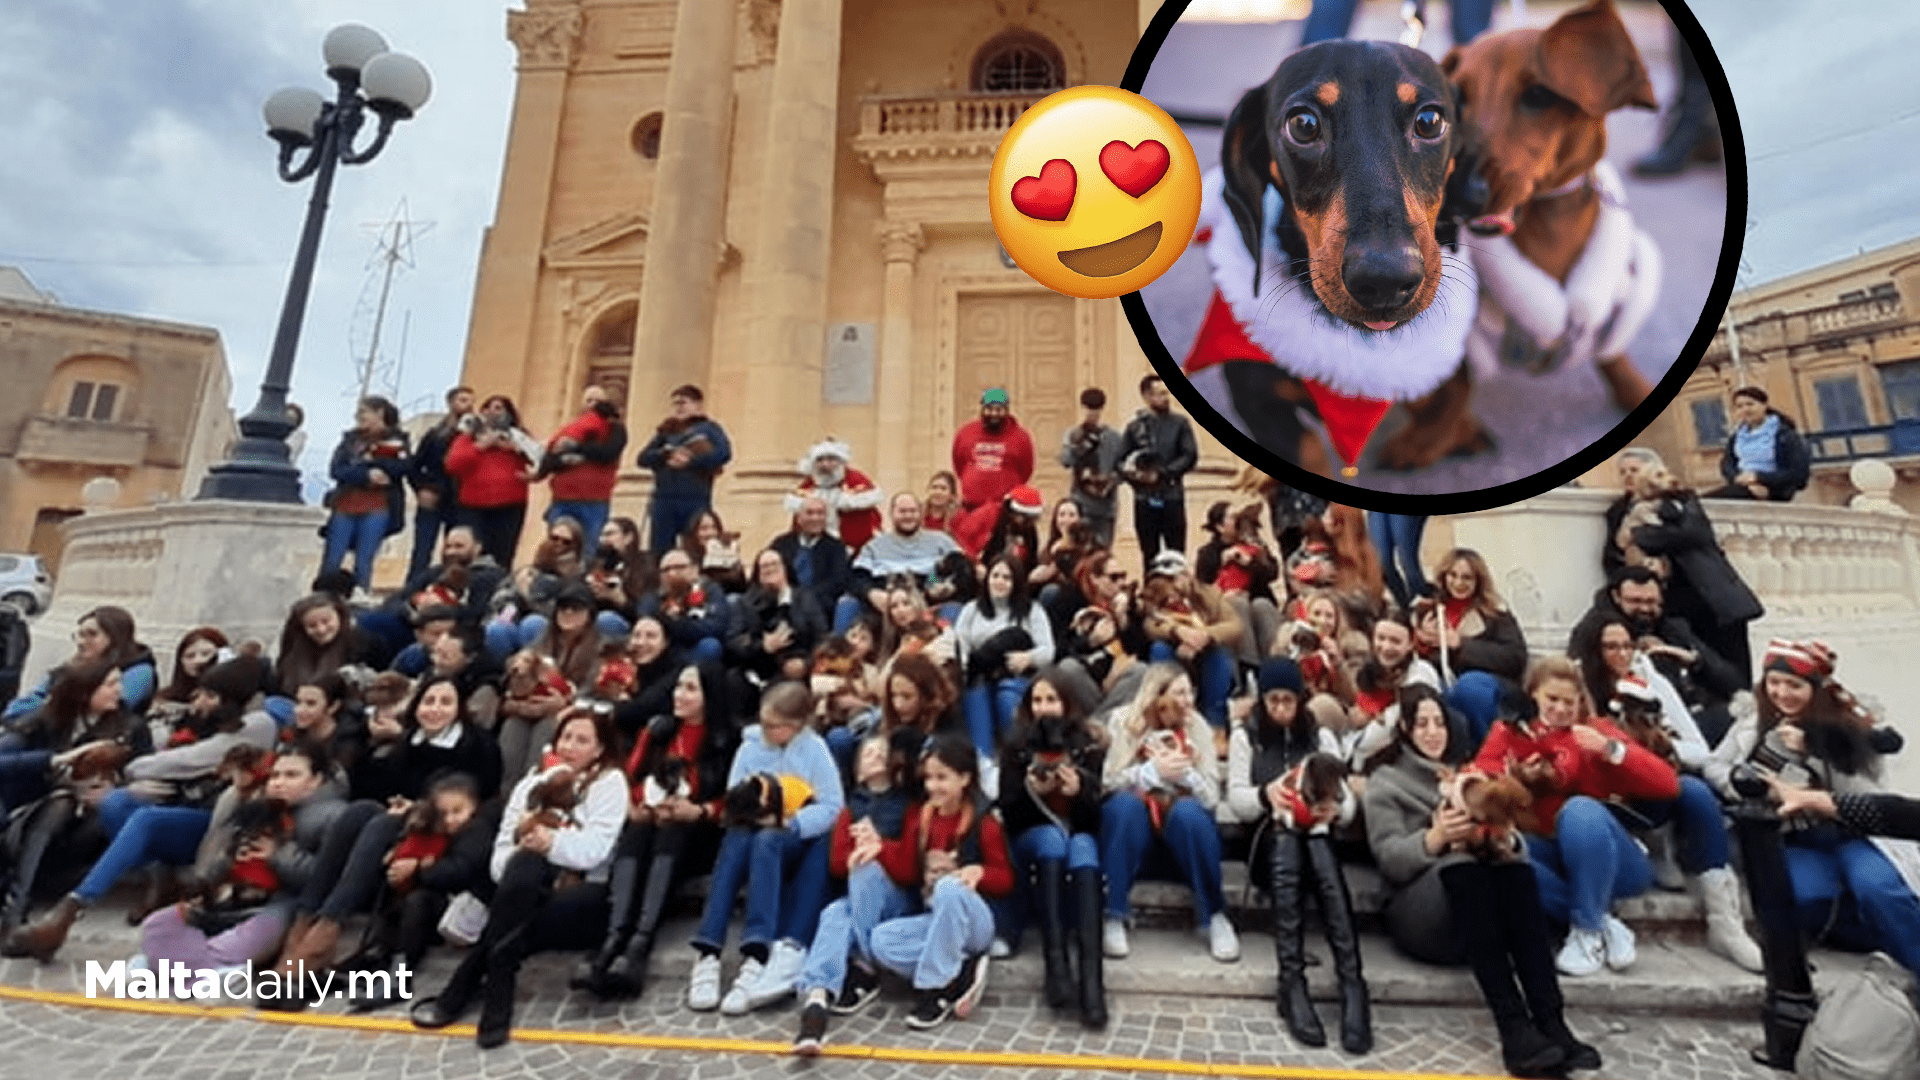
(1534, 104)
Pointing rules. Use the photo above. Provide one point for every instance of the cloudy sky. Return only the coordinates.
(138, 177)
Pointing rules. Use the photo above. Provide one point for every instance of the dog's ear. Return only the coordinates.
(1450, 64)
(1246, 162)
(1587, 58)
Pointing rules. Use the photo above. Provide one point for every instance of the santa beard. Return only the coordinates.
(829, 476)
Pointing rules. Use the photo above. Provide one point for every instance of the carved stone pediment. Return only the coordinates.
(616, 242)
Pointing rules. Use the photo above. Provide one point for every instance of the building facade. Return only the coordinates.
(785, 203)
(1836, 349)
(97, 394)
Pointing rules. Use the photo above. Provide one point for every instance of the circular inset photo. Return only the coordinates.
(1429, 277)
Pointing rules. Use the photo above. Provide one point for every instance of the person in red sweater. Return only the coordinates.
(1574, 762)
(953, 850)
(992, 456)
(491, 460)
(581, 463)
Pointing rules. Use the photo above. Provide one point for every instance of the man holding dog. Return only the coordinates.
(1091, 452)
(1160, 451)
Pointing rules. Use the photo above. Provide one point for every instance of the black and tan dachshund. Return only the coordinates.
(1361, 140)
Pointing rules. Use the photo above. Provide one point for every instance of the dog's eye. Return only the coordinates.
(1303, 127)
(1429, 123)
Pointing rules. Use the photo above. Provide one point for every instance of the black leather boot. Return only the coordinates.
(1336, 909)
(1692, 131)
(457, 996)
(623, 881)
(496, 1002)
(1517, 906)
(49, 820)
(628, 974)
(1089, 912)
(1050, 881)
(1290, 940)
(1524, 1048)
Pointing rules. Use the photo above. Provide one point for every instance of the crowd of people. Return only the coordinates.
(909, 728)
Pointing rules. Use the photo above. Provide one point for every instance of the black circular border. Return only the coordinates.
(1460, 502)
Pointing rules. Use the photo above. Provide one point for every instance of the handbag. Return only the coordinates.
(464, 920)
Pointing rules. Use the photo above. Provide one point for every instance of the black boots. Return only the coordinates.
(627, 975)
(1290, 941)
(1089, 911)
(1049, 881)
(1692, 132)
(1477, 922)
(1517, 901)
(503, 970)
(1356, 1007)
(455, 997)
(623, 882)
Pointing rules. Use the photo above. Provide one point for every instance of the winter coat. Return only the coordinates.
(1792, 461)
(586, 473)
(358, 457)
(488, 478)
(695, 482)
(1640, 775)
(1703, 580)
(1168, 438)
(832, 567)
(407, 768)
(1023, 810)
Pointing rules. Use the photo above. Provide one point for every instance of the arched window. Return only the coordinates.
(1018, 61)
(646, 136)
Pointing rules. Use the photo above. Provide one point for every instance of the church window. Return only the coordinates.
(1018, 61)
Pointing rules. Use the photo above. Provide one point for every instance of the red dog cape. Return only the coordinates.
(1354, 375)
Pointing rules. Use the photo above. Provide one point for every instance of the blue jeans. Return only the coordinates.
(23, 773)
(670, 515)
(847, 925)
(930, 948)
(1039, 844)
(359, 533)
(1699, 826)
(1475, 695)
(989, 709)
(427, 522)
(1398, 538)
(1214, 672)
(141, 834)
(1846, 881)
(1334, 19)
(1591, 862)
(845, 610)
(388, 627)
(786, 881)
(591, 516)
(1188, 848)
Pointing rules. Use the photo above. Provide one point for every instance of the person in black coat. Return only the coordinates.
(817, 561)
(1705, 680)
(368, 500)
(1702, 586)
(433, 488)
(1766, 457)
(776, 625)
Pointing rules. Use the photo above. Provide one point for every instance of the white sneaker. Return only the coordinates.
(1221, 940)
(703, 988)
(1617, 944)
(999, 950)
(736, 1001)
(1113, 938)
(1584, 953)
(779, 977)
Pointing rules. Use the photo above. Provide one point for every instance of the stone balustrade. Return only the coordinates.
(938, 123)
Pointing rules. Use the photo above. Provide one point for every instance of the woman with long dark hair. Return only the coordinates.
(318, 638)
(107, 633)
(677, 781)
(551, 891)
(368, 501)
(1003, 637)
(1449, 904)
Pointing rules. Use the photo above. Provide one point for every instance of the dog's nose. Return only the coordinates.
(1383, 277)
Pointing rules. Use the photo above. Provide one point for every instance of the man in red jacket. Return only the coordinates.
(991, 456)
(582, 462)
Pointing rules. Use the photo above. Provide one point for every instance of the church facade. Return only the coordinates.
(784, 202)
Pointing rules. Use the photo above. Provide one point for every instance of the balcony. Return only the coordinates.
(1899, 439)
(1850, 317)
(59, 440)
(937, 125)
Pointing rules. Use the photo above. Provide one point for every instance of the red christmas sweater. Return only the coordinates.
(926, 831)
(1642, 774)
(990, 465)
(589, 481)
(488, 478)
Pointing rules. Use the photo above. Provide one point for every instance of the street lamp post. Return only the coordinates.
(394, 86)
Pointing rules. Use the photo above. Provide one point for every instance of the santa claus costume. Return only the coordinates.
(853, 499)
(1352, 376)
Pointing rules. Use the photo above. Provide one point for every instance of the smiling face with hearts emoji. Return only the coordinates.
(1095, 192)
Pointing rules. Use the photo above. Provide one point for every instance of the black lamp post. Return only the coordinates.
(392, 85)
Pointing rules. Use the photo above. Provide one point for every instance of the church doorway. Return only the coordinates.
(1024, 342)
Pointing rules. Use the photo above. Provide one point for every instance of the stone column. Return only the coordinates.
(685, 241)
(785, 286)
(500, 334)
(900, 244)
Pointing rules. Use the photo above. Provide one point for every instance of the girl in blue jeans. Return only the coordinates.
(1003, 637)
(368, 470)
(1162, 782)
(1050, 798)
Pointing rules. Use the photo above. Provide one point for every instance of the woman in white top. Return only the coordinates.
(551, 866)
(1002, 638)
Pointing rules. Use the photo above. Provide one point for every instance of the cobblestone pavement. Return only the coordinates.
(1202, 1035)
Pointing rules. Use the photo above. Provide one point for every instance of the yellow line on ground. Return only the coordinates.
(923, 1056)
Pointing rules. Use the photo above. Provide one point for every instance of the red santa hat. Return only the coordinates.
(1026, 500)
(1809, 660)
(828, 447)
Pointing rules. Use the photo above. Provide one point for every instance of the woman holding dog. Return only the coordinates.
(676, 779)
(1162, 782)
(551, 890)
(1291, 857)
(1575, 763)
(1811, 732)
(1449, 905)
(1003, 638)
(1050, 798)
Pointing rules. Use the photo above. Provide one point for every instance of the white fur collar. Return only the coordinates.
(1298, 333)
